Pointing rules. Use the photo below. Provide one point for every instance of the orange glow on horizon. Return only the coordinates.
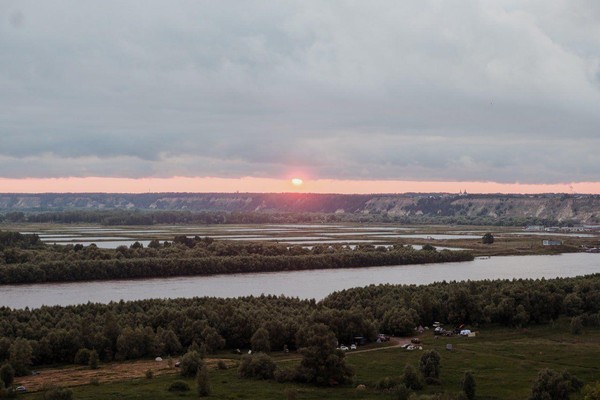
(270, 185)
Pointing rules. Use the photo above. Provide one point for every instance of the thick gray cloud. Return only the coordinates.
(471, 90)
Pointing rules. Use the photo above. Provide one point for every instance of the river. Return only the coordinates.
(304, 284)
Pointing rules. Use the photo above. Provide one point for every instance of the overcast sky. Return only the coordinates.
(504, 91)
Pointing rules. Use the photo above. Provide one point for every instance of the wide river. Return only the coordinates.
(304, 284)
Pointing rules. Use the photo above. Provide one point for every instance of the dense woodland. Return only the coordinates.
(24, 259)
(148, 328)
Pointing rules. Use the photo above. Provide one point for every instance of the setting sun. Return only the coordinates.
(297, 182)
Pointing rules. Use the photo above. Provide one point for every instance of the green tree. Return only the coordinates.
(573, 305)
(468, 385)
(400, 321)
(168, 341)
(154, 244)
(576, 325)
(21, 354)
(321, 362)
(82, 356)
(429, 364)
(411, 378)
(7, 374)
(190, 363)
(212, 340)
(4, 346)
(488, 238)
(260, 341)
(202, 382)
(93, 360)
(554, 385)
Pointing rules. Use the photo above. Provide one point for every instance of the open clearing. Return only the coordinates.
(113, 372)
(505, 361)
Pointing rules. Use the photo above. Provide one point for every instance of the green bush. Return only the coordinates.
(58, 394)
(221, 365)
(401, 392)
(259, 366)
(179, 386)
(82, 357)
(283, 375)
(202, 383)
(386, 383)
(411, 378)
(488, 238)
(591, 391)
(468, 385)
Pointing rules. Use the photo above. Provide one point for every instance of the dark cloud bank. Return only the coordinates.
(420, 90)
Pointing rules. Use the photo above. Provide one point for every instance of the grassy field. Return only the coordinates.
(504, 363)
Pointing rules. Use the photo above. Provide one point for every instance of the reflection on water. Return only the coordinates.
(105, 244)
(566, 234)
(304, 284)
(433, 236)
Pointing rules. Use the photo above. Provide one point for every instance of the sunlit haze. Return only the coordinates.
(204, 185)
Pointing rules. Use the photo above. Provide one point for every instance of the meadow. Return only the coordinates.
(504, 362)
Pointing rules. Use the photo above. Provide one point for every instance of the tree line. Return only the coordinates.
(157, 327)
(187, 256)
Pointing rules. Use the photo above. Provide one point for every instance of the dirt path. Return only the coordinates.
(394, 342)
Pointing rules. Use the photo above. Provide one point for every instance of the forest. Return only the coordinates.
(149, 328)
(24, 259)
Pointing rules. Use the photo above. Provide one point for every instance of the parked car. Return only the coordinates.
(353, 347)
(20, 389)
(415, 340)
(382, 337)
(344, 348)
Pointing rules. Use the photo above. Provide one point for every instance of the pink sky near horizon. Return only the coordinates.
(271, 185)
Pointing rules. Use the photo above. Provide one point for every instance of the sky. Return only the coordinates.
(350, 96)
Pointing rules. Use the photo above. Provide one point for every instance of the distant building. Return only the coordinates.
(552, 242)
(535, 228)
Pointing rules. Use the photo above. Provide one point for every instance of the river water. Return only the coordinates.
(304, 284)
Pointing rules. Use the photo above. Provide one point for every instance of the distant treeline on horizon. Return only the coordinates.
(239, 208)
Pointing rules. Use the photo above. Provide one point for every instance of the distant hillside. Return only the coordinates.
(555, 207)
